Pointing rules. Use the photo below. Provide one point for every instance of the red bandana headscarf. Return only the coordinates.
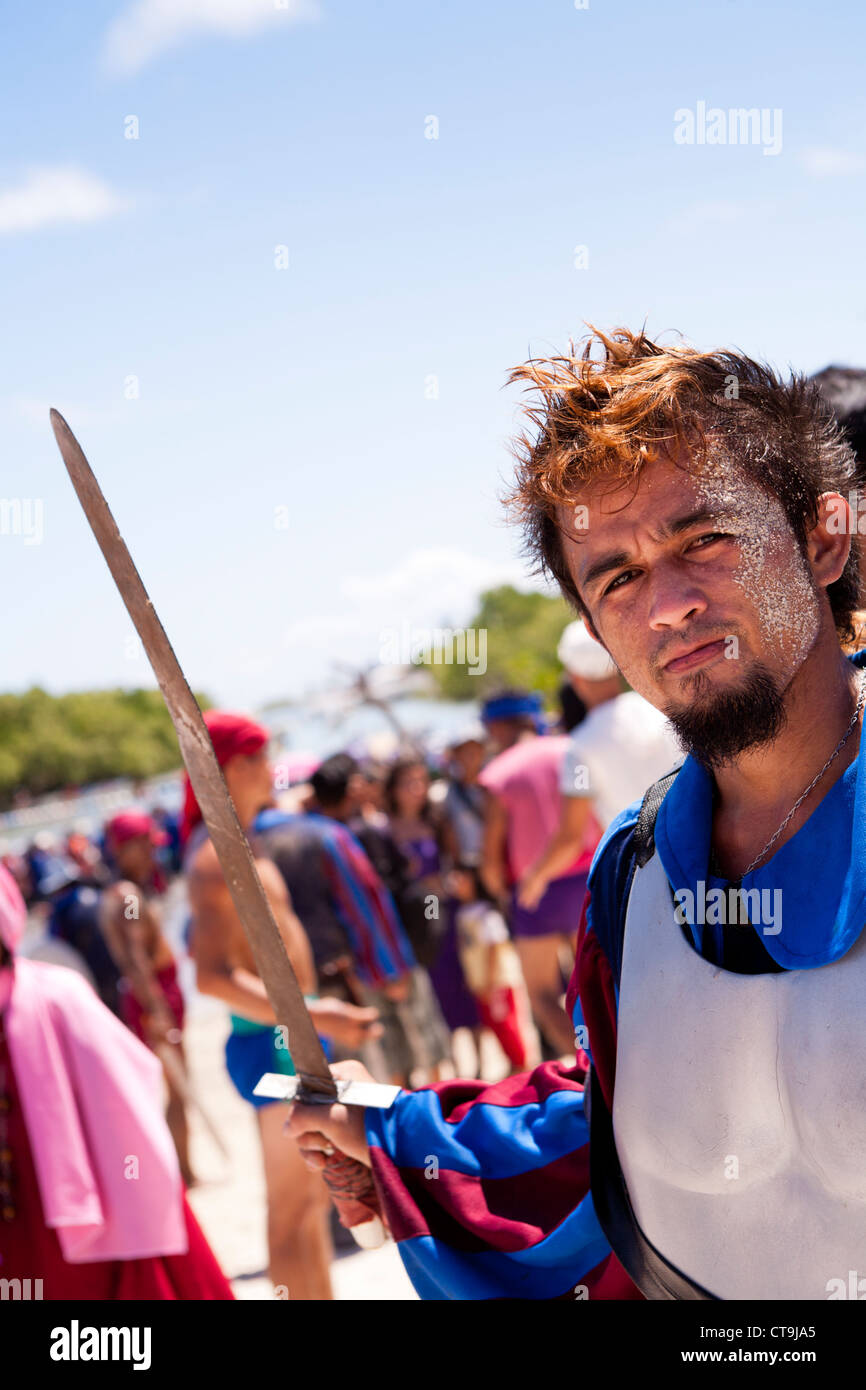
(230, 734)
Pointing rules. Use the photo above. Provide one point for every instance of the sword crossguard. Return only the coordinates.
(349, 1182)
(315, 1090)
(319, 1090)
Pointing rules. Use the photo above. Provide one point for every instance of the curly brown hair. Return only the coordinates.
(615, 400)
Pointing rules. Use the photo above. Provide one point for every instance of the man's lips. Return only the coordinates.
(695, 656)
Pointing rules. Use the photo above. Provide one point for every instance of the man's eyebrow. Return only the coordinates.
(604, 565)
(620, 558)
(683, 523)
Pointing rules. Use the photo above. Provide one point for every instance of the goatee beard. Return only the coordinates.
(716, 730)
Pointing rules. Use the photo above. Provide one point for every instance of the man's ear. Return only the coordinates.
(828, 544)
(587, 622)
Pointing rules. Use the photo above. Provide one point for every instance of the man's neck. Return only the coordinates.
(756, 792)
(523, 736)
(605, 691)
(248, 808)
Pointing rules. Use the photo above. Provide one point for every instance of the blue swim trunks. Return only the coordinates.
(251, 1050)
(254, 1048)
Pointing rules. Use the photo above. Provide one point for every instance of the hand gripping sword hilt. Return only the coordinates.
(353, 1193)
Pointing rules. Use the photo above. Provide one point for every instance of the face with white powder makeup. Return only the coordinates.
(694, 581)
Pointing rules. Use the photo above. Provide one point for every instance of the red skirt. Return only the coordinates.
(133, 1013)
(31, 1250)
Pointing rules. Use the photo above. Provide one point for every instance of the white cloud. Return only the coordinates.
(430, 584)
(53, 196)
(148, 27)
(824, 162)
(707, 215)
(424, 590)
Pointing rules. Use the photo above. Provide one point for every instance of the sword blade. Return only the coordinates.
(205, 774)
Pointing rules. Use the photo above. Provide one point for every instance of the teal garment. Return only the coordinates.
(282, 1057)
(251, 1050)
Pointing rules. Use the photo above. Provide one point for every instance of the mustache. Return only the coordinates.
(696, 637)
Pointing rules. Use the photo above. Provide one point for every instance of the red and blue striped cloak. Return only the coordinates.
(380, 946)
(486, 1188)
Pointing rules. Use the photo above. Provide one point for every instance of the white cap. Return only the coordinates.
(581, 655)
(473, 732)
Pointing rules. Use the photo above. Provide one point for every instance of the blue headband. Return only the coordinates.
(512, 707)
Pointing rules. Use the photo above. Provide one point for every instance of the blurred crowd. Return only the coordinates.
(441, 888)
(429, 897)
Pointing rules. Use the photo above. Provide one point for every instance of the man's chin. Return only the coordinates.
(715, 721)
(702, 689)
(704, 683)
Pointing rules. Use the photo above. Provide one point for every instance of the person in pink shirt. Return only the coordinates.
(522, 813)
(92, 1205)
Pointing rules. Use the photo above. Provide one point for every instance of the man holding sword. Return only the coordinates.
(694, 509)
(704, 535)
(151, 1000)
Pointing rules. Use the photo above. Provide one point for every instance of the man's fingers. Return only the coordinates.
(337, 1125)
(315, 1148)
(351, 1070)
(304, 1121)
(313, 1140)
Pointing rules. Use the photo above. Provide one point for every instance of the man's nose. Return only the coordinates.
(674, 599)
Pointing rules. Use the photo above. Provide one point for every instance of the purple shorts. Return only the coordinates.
(558, 913)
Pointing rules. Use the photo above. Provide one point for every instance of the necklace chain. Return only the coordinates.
(815, 780)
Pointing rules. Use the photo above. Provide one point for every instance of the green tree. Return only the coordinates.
(52, 741)
(521, 631)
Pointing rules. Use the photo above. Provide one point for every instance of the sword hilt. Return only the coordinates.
(354, 1195)
(349, 1182)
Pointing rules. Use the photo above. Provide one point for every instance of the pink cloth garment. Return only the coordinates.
(13, 919)
(525, 779)
(13, 913)
(91, 1097)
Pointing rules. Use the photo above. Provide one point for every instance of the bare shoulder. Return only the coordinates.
(115, 899)
(204, 875)
(272, 880)
(114, 893)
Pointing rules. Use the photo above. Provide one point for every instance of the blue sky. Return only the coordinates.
(286, 484)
